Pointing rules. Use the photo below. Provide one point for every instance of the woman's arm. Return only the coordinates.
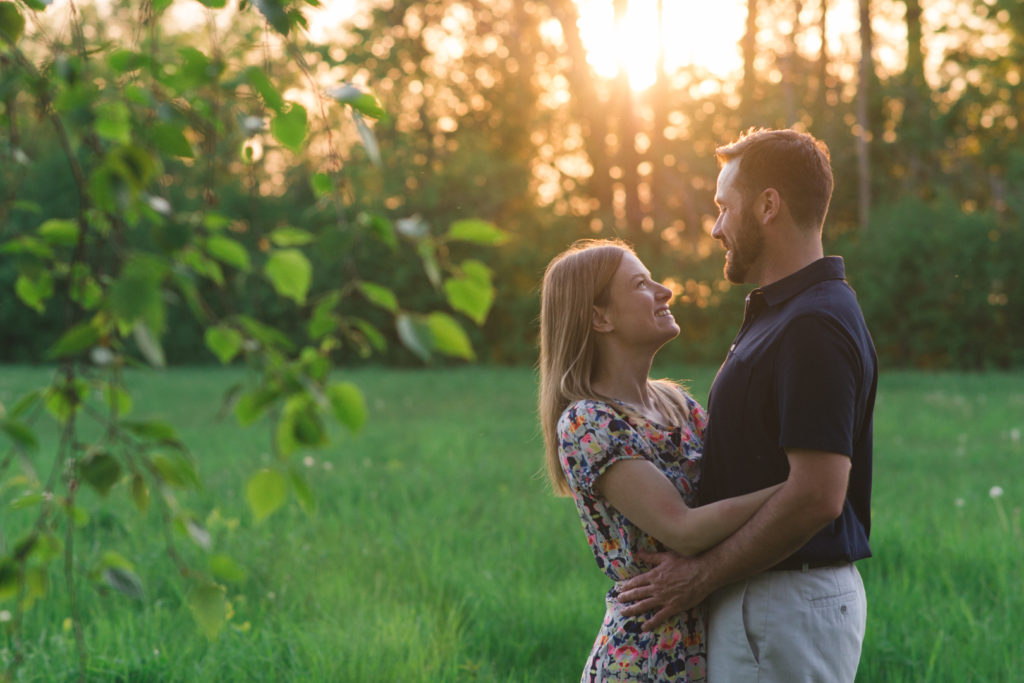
(642, 493)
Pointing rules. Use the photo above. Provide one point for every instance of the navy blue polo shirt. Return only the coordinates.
(801, 374)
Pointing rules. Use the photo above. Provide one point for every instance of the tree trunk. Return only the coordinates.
(627, 158)
(917, 112)
(821, 96)
(748, 45)
(591, 112)
(867, 68)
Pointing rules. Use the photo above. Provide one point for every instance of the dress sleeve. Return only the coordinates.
(591, 438)
(698, 417)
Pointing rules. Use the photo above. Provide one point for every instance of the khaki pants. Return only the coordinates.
(788, 627)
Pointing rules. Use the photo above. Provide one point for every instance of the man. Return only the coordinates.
(792, 403)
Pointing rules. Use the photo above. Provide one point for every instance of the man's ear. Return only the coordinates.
(600, 321)
(768, 205)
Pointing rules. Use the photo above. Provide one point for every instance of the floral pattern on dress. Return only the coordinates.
(594, 435)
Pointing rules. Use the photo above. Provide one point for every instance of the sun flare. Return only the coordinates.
(702, 32)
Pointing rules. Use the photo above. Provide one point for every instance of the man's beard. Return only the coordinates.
(745, 248)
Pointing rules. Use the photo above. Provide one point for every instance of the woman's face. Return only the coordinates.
(637, 311)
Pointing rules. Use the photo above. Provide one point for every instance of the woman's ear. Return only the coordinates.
(600, 321)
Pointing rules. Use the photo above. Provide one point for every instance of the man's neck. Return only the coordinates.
(789, 258)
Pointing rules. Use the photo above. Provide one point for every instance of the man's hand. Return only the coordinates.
(675, 584)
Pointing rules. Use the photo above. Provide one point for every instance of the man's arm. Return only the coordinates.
(812, 496)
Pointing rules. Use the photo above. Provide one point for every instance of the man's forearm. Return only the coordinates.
(778, 529)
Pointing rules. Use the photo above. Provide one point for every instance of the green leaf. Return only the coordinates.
(27, 244)
(288, 236)
(114, 122)
(35, 290)
(117, 400)
(73, 342)
(257, 78)
(291, 274)
(477, 271)
(229, 252)
(415, 335)
(12, 24)
(214, 4)
(368, 105)
(298, 426)
(303, 492)
(289, 126)
(368, 137)
(348, 404)
(224, 567)
(171, 139)
(124, 581)
(63, 400)
(175, 470)
(209, 606)
(476, 231)
(372, 334)
(140, 493)
(265, 334)
(100, 470)
(124, 60)
(448, 336)
(149, 344)
(20, 433)
(381, 228)
(60, 232)
(379, 295)
(265, 492)
(10, 579)
(251, 405)
(135, 294)
(470, 297)
(26, 500)
(198, 533)
(322, 185)
(225, 342)
(275, 13)
(152, 430)
(428, 256)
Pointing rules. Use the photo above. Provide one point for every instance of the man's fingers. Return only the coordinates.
(658, 619)
(642, 607)
(639, 593)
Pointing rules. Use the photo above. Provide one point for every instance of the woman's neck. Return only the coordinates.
(623, 379)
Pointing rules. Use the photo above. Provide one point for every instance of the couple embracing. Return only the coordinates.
(731, 534)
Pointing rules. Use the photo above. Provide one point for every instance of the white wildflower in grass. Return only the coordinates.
(4, 616)
(959, 502)
(1015, 435)
(995, 492)
(328, 466)
(308, 461)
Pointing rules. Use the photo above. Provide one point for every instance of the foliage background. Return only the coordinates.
(507, 126)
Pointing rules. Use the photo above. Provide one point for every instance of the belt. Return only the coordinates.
(796, 564)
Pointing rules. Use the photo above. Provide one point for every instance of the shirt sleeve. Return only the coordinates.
(816, 378)
(591, 438)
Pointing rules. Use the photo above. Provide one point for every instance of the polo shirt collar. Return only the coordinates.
(826, 268)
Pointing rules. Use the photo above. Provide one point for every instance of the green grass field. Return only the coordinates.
(437, 554)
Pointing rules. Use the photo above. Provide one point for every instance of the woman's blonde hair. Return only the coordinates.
(574, 282)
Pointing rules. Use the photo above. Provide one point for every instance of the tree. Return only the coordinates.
(864, 132)
(177, 154)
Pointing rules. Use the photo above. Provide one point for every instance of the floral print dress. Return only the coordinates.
(592, 436)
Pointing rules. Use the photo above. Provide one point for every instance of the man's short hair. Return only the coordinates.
(795, 164)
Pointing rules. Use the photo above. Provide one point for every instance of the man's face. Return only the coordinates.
(737, 227)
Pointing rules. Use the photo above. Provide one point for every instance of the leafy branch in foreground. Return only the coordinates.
(149, 143)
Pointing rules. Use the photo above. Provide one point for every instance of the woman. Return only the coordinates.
(627, 448)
